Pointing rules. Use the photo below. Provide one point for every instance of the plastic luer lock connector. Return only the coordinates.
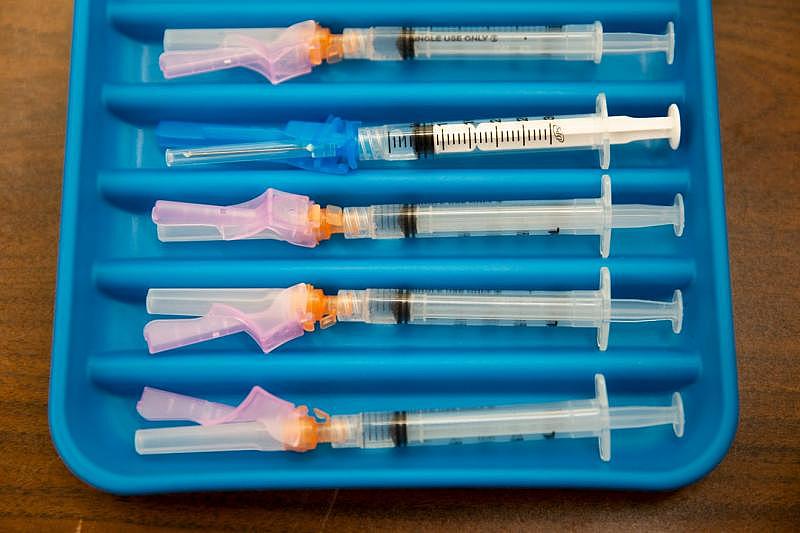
(280, 54)
(298, 220)
(337, 145)
(275, 316)
(263, 422)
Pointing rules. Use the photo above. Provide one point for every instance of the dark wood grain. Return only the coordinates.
(757, 486)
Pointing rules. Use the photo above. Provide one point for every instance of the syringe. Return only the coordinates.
(298, 220)
(263, 422)
(280, 54)
(273, 317)
(336, 146)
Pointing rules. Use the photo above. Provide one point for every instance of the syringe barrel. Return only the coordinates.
(474, 308)
(598, 131)
(402, 142)
(529, 217)
(569, 42)
(394, 142)
(569, 419)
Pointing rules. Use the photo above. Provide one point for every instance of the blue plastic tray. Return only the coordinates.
(110, 256)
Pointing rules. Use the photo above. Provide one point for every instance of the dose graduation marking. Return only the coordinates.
(496, 134)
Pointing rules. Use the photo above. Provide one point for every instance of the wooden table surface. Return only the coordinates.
(757, 486)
